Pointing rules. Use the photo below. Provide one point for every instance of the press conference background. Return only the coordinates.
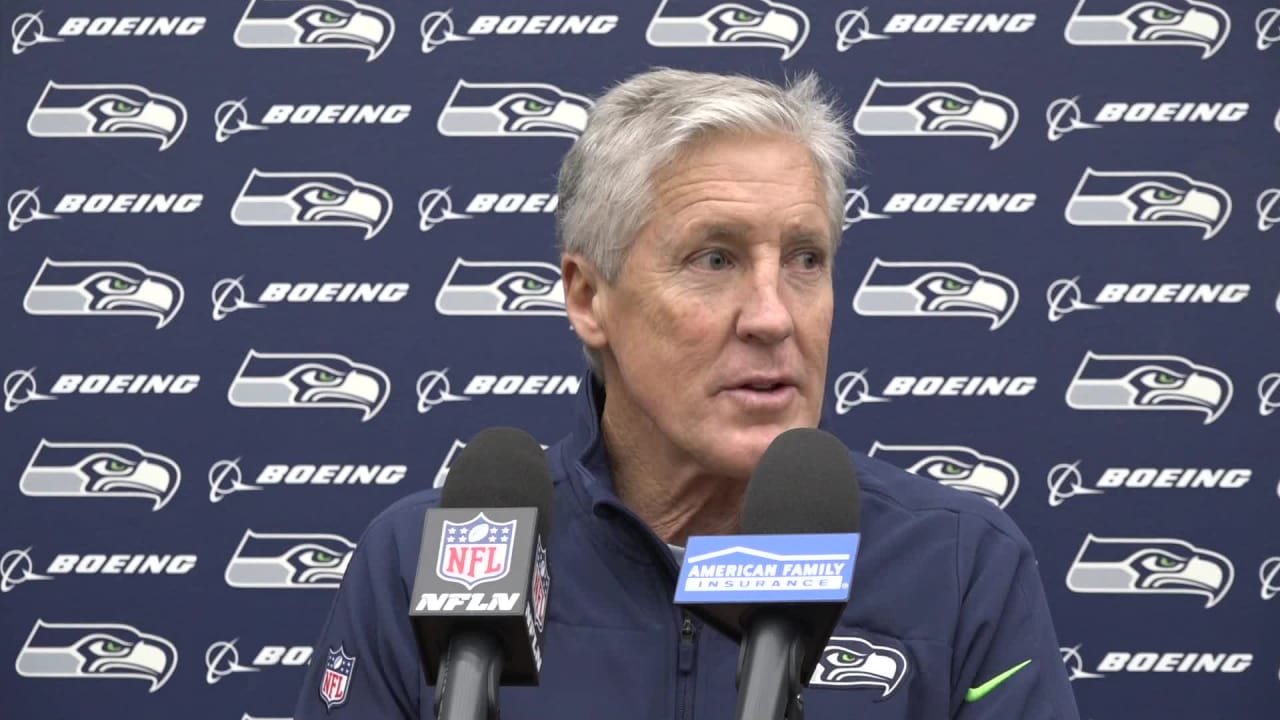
(214, 626)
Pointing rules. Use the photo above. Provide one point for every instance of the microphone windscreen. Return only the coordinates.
(804, 483)
(501, 467)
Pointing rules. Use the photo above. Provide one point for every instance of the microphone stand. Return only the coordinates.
(769, 682)
(467, 683)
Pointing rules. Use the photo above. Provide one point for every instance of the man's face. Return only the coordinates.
(720, 319)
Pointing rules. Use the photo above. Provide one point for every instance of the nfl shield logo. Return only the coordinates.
(336, 680)
(541, 585)
(474, 552)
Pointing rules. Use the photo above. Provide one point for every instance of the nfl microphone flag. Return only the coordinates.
(482, 568)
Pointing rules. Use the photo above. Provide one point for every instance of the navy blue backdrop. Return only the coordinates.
(204, 196)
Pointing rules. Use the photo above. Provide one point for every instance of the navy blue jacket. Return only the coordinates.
(946, 597)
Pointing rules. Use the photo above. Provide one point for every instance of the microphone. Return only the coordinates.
(479, 602)
(780, 587)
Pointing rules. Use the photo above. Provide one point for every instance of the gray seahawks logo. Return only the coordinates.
(512, 110)
(103, 288)
(316, 24)
(1149, 22)
(935, 108)
(65, 469)
(742, 23)
(956, 466)
(501, 288)
(106, 111)
(288, 560)
(311, 199)
(1144, 198)
(935, 289)
(1142, 566)
(853, 662)
(1148, 382)
(96, 650)
(308, 380)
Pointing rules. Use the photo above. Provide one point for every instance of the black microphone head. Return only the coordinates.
(501, 467)
(804, 483)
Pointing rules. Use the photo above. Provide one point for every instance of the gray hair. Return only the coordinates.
(641, 124)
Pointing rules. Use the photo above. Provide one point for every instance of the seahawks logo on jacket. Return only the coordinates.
(955, 466)
(1142, 566)
(311, 199)
(289, 560)
(1149, 22)
(1143, 198)
(64, 469)
(512, 110)
(103, 288)
(106, 111)
(316, 24)
(853, 662)
(935, 289)
(501, 288)
(96, 650)
(742, 23)
(308, 380)
(1148, 382)
(935, 108)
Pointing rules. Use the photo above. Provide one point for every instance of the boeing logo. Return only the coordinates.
(1064, 295)
(437, 26)
(854, 27)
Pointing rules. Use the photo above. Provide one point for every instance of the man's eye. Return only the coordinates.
(714, 260)
(810, 260)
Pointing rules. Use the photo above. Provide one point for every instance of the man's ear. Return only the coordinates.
(585, 298)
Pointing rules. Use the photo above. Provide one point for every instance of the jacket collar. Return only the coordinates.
(586, 459)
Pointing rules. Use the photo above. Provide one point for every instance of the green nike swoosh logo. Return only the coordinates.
(977, 693)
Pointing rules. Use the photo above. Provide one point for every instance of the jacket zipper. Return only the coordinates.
(684, 665)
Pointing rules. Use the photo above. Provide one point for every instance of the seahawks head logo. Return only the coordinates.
(1148, 382)
(106, 111)
(96, 650)
(1140, 566)
(58, 469)
(955, 466)
(501, 288)
(308, 380)
(935, 108)
(852, 662)
(513, 110)
(935, 289)
(103, 288)
(316, 24)
(1147, 199)
(1149, 22)
(289, 560)
(744, 23)
(311, 199)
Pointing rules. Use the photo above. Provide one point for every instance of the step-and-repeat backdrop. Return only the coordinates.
(244, 242)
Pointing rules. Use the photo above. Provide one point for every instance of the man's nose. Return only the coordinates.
(764, 317)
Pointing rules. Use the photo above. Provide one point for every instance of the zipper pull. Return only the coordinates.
(687, 631)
